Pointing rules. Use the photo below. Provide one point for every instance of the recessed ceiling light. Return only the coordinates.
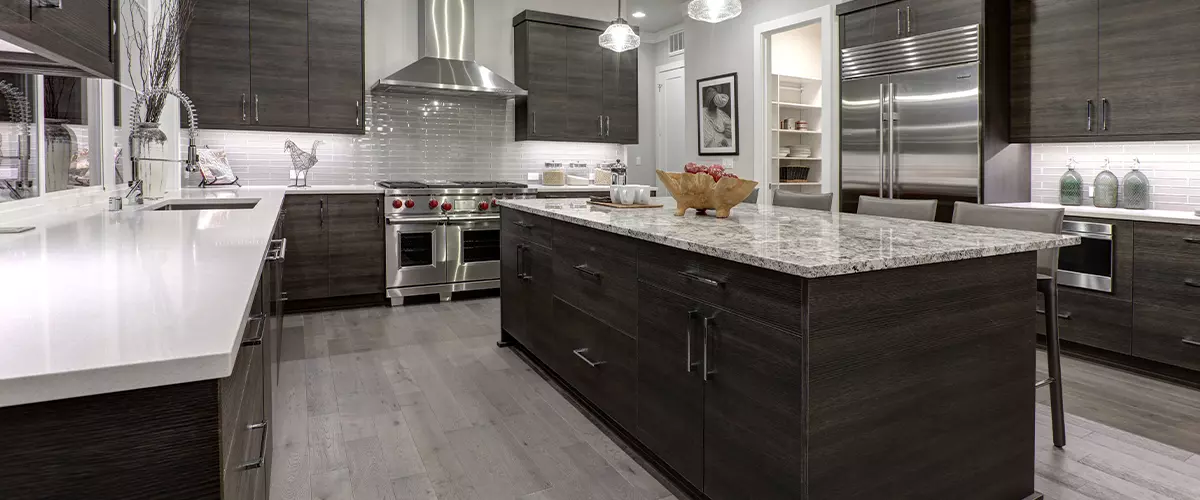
(639, 14)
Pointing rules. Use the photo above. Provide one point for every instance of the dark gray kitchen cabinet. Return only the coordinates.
(1054, 60)
(526, 282)
(869, 21)
(335, 246)
(214, 64)
(77, 39)
(335, 69)
(871, 25)
(578, 91)
(289, 65)
(922, 17)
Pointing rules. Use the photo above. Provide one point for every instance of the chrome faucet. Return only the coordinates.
(190, 164)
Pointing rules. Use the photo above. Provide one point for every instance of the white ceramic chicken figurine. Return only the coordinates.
(302, 161)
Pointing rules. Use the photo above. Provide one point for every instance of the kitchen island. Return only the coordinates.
(786, 353)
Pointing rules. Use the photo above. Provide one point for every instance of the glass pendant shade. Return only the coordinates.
(619, 37)
(714, 11)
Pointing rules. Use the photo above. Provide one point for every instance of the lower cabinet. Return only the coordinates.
(526, 290)
(336, 246)
(1167, 335)
(597, 360)
(1093, 320)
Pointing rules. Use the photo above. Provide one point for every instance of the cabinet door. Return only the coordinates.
(753, 420)
(279, 63)
(585, 85)
(215, 62)
(930, 16)
(874, 25)
(621, 97)
(538, 297)
(1149, 62)
(335, 77)
(85, 30)
(356, 244)
(1091, 319)
(306, 269)
(546, 80)
(512, 288)
(670, 392)
(1054, 58)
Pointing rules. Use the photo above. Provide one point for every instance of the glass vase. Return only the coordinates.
(1070, 187)
(1106, 189)
(1137, 190)
(149, 146)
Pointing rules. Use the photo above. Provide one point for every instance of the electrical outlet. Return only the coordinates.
(1091, 191)
(532, 177)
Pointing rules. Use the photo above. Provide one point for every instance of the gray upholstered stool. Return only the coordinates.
(1044, 221)
(900, 209)
(798, 200)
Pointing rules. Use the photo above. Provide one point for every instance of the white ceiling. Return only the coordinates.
(660, 14)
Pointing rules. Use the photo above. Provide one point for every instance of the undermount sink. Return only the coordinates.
(177, 205)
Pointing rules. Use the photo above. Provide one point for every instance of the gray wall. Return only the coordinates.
(728, 47)
(647, 142)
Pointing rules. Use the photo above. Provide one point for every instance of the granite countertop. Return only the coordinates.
(1165, 216)
(806, 243)
(111, 301)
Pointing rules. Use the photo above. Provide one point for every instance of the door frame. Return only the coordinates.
(831, 78)
(660, 150)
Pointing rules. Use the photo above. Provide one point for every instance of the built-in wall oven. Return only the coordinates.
(1088, 265)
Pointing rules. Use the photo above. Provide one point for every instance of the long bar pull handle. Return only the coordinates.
(882, 130)
(1089, 115)
(1192, 283)
(1104, 112)
(892, 140)
(908, 18)
(357, 113)
(696, 277)
(321, 215)
(1191, 342)
(1191, 240)
(1061, 315)
(607, 125)
(378, 212)
(898, 21)
(534, 120)
(262, 448)
(600, 125)
(706, 370)
(691, 322)
(243, 107)
(583, 268)
(255, 108)
(523, 224)
(582, 353)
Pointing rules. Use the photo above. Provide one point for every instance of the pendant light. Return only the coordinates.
(619, 36)
(714, 11)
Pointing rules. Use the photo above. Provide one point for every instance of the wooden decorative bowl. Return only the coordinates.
(701, 192)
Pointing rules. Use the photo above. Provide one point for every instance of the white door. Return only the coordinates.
(670, 121)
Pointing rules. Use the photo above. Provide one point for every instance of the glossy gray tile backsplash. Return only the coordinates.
(1172, 167)
(408, 137)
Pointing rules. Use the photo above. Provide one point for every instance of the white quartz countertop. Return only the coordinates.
(113, 301)
(336, 189)
(806, 243)
(567, 189)
(1166, 216)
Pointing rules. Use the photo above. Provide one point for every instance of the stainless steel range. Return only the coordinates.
(444, 236)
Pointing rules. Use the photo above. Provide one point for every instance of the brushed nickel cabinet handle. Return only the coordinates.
(1191, 282)
(534, 119)
(898, 21)
(1061, 315)
(357, 113)
(1192, 240)
(582, 353)
(243, 107)
(908, 18)
(1104, 111)
(706, 370)
(521, 223)
(255, 108)
(321, 214)
(696, 277)
(258, 338)
(600, 124)
(691, 322)
(1089, 115)
(262, 447)
(1191, 342)
(378, 212)
(607, 126)
(583, 268)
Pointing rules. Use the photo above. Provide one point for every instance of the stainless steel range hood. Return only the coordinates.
(446, 31)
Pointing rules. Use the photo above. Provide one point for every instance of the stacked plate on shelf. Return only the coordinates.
(784, 151)
(799, 152)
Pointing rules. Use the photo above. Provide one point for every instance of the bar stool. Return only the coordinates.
(900, 209)
(799, 200)
(752, 198)
(1044, 221)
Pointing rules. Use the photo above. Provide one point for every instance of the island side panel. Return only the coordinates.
(921, 381)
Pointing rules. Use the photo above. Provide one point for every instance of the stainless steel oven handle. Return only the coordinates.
(474, 218)
(1090, 236)
(415, 220)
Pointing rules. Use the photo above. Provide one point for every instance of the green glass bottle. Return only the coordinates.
(1070, 186)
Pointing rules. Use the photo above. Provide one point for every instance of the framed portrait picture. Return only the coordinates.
(717, 126)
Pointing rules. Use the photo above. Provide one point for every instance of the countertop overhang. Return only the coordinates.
(804, 243)
(115, 301)
(1163, 216)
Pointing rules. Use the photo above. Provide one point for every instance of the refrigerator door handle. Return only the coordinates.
(882, 127)
(891, 140)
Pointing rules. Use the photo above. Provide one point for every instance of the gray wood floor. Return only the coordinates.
(418, 403)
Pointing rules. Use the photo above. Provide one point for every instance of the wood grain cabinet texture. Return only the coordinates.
(1069, 53)
(865, 22)
(718, 381)
(335, 246)
(78, 39)
(1166, 287)
(291, 65)
(578, 91)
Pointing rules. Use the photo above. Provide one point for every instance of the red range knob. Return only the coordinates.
(493, 202)
(397, 203)
(483, 205)
(447, 206)
(433, 203)
(410, 203)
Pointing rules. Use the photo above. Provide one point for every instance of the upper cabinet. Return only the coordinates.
(75, 38)
(578, 91)
(1105, 70)
(292, 65)
(870, 21)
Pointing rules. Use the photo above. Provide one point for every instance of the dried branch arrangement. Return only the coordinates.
(155, 48)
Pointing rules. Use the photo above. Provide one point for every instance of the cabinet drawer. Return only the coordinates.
(755, 292)
(244, 443)
(1167, 335)
(1092, 320)
(1166, 266)
(232, 392)
(533, 228)
(595, 359)
(597, 272)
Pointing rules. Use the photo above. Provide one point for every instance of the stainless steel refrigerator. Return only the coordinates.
(912, 124)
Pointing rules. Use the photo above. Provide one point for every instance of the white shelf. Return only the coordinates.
(795, 159)
(795, 183)
(786, 131)
(793, 89)
(784, 104)
(803, 79)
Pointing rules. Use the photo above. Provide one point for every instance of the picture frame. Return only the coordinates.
(717, 125)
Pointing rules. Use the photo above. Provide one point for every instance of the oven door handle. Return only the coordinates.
(475, 218)
(1090, 236)
(415, 220)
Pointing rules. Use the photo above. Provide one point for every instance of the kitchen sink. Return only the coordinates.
(177, 205)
